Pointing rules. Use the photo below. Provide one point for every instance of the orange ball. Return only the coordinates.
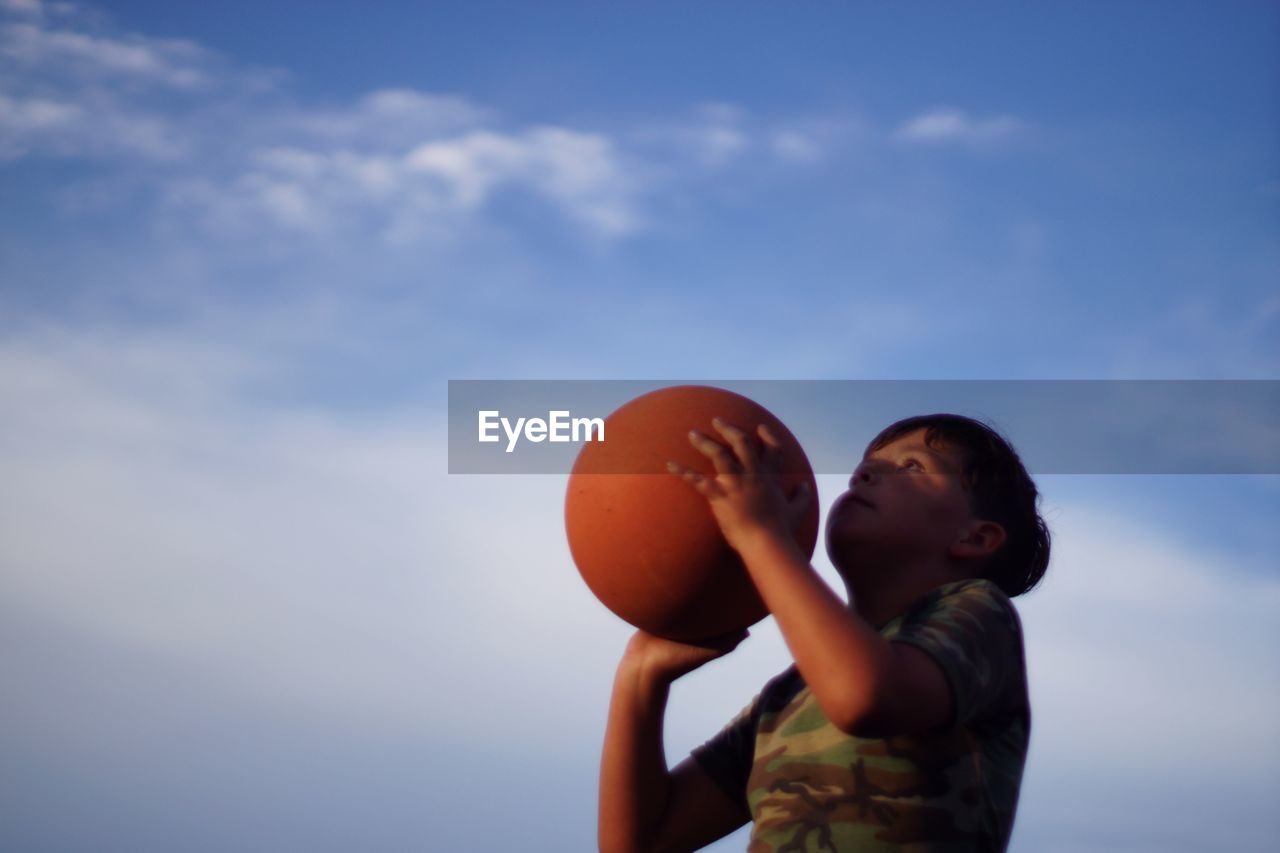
(644, 541)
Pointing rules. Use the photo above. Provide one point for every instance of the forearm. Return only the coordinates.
(634, 779)
(841, 657)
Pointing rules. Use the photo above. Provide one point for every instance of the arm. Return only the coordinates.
(643, 806)
(861, 681)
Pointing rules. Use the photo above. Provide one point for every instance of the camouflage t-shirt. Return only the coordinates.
(810, 786)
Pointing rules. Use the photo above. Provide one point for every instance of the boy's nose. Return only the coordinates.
(863, 474)
(869, 472)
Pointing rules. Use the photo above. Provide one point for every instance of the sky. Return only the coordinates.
(244, 246)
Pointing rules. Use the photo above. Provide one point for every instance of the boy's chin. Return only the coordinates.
(842, 551)
(846, 566)
(854, 568)
(850, 578)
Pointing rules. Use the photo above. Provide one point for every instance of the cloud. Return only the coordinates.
(25, 8)
(796, 147)
(578, 170)
(1131, 613)
(304, 564)
(36, 115)
(76, 89)
(294, 557)
(1148, 656)
(244, 158)
(953, 125)
(718, 138)
(434, 186)
(93, 127)
(35, 47)
(394, 163)
(713, 138)
(388, 119)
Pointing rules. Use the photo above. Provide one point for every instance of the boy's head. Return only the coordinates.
(999, 489)
(970, 461)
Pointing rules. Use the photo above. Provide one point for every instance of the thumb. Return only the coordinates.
(799, 502)
(726, 643)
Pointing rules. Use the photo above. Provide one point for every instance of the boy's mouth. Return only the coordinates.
(854, 497)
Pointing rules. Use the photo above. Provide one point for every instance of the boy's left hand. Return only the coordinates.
(746, 492)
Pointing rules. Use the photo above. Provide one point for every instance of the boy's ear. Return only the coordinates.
(979, 540)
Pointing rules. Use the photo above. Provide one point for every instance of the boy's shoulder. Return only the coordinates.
(970, 586)
(972, 630)
(973, 596)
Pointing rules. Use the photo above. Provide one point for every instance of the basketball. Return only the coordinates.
(644, 541)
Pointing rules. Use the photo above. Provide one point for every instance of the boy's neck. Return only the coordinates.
(879, 603)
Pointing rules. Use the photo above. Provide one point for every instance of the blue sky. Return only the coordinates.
(243, 247)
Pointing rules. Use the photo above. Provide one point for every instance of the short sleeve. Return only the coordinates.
(972, 630)
(727, 757)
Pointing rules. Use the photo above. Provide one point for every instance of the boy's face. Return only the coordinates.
(906, 505)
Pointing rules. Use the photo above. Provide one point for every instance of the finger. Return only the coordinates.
(767, 436)
(737, 438)
(724, 461)
(725, 642)
(799, 502)
(730, 642)
(705, 486)
(772, 455)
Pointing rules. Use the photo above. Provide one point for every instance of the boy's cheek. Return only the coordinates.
(840, 539)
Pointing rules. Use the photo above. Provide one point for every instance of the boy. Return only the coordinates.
(903, 724)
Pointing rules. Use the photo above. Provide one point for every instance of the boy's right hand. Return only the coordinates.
(669, 659)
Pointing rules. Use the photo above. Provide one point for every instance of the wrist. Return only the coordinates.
(644, 679)
(641, 669)
(762, 538)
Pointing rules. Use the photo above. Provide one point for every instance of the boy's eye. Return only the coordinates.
(910, 461)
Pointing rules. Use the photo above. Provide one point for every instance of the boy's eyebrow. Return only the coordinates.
(941, 459)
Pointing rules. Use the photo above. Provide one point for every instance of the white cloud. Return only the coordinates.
(171, 63)
(713, 138)
(74, 89)
(435, 185)
(387, 119)
(32, 116)
(718, 144)
(296, 559)
(470, 166)
(92, 127)
(719, 137)
(395, 164)
(327, 566)
(22, 8)
(954, 125)
(1153, 669)
(796, 147)
(583, 172)
(1137, 639)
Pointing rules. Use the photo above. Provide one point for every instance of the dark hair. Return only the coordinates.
(1000, 490)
